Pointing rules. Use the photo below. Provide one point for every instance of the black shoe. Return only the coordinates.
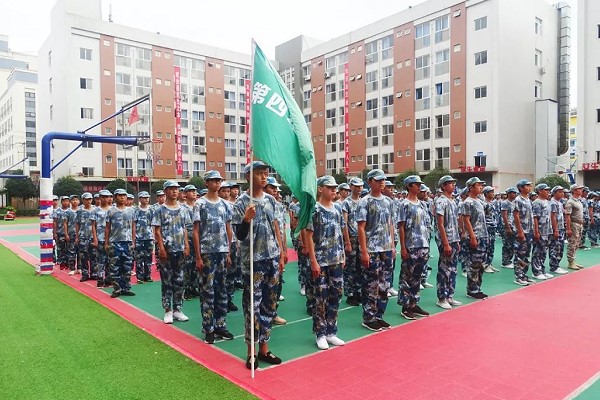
(352, 301)
(148, 280)
(127, 293)
(383, 324)
(115, 294)
(249, 365)
(419, 311)
(94, 277)
(224, 333)
(374, 326)
(84, 279)
(140, 282)
(100, 283)
(238, 285)
(231, 306)
(187, 296)
(528, 279)
(269, 358)
(209, 338)
(309, 311)
(408, 313)
(478, 295)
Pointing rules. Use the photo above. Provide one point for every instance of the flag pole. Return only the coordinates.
(251, 278)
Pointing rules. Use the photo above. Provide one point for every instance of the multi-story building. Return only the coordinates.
(18, 103)
(90, 68)
(588, 91)
(444, 83)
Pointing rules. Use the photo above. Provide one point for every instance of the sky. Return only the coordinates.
(230, 24)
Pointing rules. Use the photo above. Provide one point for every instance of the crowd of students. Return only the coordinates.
(202, 245)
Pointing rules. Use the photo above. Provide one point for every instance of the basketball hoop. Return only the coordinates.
(153, 153)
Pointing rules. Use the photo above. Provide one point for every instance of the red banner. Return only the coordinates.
(590, 166)
(247, 84)
(138, 179)
(178, 152)
(471, 169)
(346, 120)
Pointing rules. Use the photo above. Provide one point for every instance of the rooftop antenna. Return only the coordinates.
(110, 12)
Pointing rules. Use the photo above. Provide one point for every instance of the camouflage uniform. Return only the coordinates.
(377, 214)
(144, 242)
(541, 211)
(428, 205)
(353, 271)
(556, 247)
(508, 240)
(447, 266)
(415, 221)
(573, 207)
(61, 242)
(234, 274)
(463, 254)
(191, 276)
(594, 229)
(213, 219)
(474, 209)
(99, 219)
(491, 222)
(71, 216)
(120, 249)
(265, 266)
(586, 221)
(327, 227)
(86, 252)
(172, 222)
(523, 248)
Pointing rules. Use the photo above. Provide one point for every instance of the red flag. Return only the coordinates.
(134, 117)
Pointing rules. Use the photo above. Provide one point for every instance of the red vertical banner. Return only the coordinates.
(178, 152)
(346, 120)
(247, 84)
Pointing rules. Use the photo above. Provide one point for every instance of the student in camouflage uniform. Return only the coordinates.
(71, 235)
(586, 218)
(119, 244)
(60, 232)
(212, 235)
(523, 219)
(259, 210)
(507, 231)
(161, 197)
(574, 224)
(324, 240)
(235, 268)
(231, 273)
(556, 246)
(475, 226)
(144, 238)
(98, 219)
(388, 192)
(448, 242)
(594, 212)
(343, 191)
(464, 237)
(542, 230)
(414, 228)
(376, 241)
(83, 228)
(96, 201)
(170, 236)
(191, 281)
(353, 271)
(491, 222)
(55, 207)
(426, 202)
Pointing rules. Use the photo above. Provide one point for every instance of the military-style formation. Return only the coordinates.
(202, 243)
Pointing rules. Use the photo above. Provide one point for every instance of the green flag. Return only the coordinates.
(279, 135)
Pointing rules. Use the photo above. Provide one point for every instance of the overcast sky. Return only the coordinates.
(228, 24)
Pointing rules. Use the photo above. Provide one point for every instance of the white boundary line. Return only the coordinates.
(583, 387)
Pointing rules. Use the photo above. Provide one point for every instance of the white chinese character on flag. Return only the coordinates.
(277, 105)
(259, 92)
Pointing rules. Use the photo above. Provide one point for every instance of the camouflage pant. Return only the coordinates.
(353, 270)
(143, 259)
(171, 280)
(389, 273)
(594, 232)
(574, 241)
(556, 249)
(476, 257)
(61, 251)
(71, 253)
(328, 292)
(426, 271)
(303, 266)
(101, 260)
(375, 287)
(120, 255)
(584, 231)
(213, 293)
(522, 254)
(508, 248)
(410, 276)
(491, 245)
(463, 254)
(190, 274)
(446, 276)
(265, 280)
(87, 258)
(232, 271)
(538, 255)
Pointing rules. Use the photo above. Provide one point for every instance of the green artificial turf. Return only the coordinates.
(591, 393)
(20, 220)
(58, 344)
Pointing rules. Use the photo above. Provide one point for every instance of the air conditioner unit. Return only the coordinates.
(307, 78)
(352, 78)
(358, 103)
(202, 149)
(327, 74)
(196, 128)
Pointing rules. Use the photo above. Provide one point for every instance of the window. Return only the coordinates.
(143, 85)
(481, 57)
(386, 77)
(87, 113)
(85, 83)
(123, 82)
(371, 81)
(87, 145)
(480, 126)
(123, 55)
(371, 108)
(422, 35)
(538, 90)
(371, 52)
(441, 29)
(481, 23)
(386, 105)
(423, 155)
(87, 171)
(538, 26)
(387, 44)
(538, 58)
(480, 92)
(85, 54)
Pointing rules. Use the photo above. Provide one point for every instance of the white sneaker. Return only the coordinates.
(168, 319)
(540, 277)
(335, 341)
(389, 295)
(453, 302)
(392, 291)
(561, 271)
(72, 272)
(444, 304)
(464, 274)
(281, 298)
(78, 272)
(521, 282)
(509, 266)
(495, 269)
(488, 269)
(179, 316)
(427, 285)
(421, 287)
(302, 291)
(549, 276)
(322, 343)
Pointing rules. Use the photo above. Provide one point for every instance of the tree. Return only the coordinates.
(432, 178)
(20, 188)
(119, 184)
(554, 180)
(198, 182)
(156, 186)
(340, 177)
(399, 182)
(67, 186)
(285, 189)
